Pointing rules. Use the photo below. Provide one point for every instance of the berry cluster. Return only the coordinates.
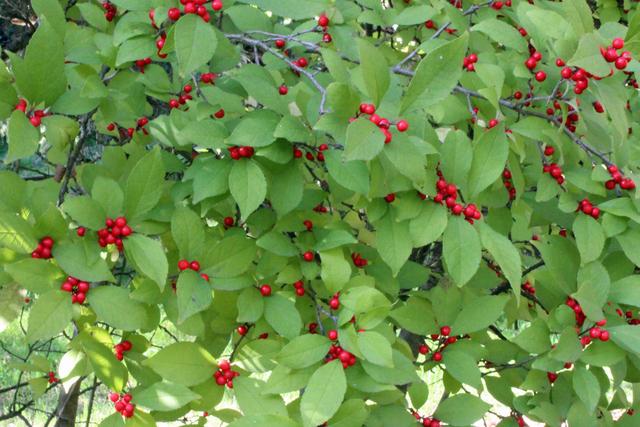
(160, 42)
(430, 421)
(299, 287)
(334, 302)
(337, 352)
(52, 377)
(114, 232)
(238, 153)
(618, 179)
(182, 98)
(321, 209)
(78, 289)
(142, 63)
(610, 54)
(383, 123)
(183, 264)
(122, 404)
(588, 209)
(597, 332)
(44, 248)
(265, 290)
(629, 317)
(553, 169)
(528, 288)
(110, 10)
(358, 261)
(194, 7)
(297, 153)
(469, 61)
(575, 306)
(208, 78)
(442, 341)
(532, 62)
(225, 375)
(121, 348)
(36, 117)
(448, 193)
(508, 184)
(323, 23)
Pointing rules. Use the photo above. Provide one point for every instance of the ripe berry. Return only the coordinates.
(174, 13)
(549, 150)
(445, 331)
(280, 43)
(323, 21)
(242, 330)
(283, 90)
(326, 37)
(617, 43)
(492, 123)
(216, 5)
(437, 356)
(195, 265)
(423, 349)
(183, 264)
(229, 221)
(332, 335)
(308, 256)
(390, 198)
(80, 231)
(402, 126)
(334, 303)
(265, 290)
(541, 76)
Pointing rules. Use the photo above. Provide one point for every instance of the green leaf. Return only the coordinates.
(534, 339)
(282, 315)
(252, 401)
(286, 189)
(437, 74)
(505, 254)
(336, 270)
(194, 294)
(375, 348)
(393, 242)
(590, 238)
(375, 71)
(52, 12)
(586, 387)
(416, 316)
(324, 393)
(16, 234)
(593, 290)
(304, 351)
(352, 175)
(22, 136)
(250, 305)
(463, 367)
(461, 250)
(630, 243)
(148, 256)
(562, 260)
(50, 315)
(479, 315)
(626, 291)
(195, 43)
(164, 396)
(248, 186)
(40, 76)
(85, 211)
(489, 157)
(501, 32)
(588, 55)
(81, 259)
(255, 130)
(461, 410)
(188, 233)
(364, 140)
(403, 371)
(230, 257)
(185, 363)
(578, 13)
(626, 337)
(114, 306)
(106, 367)
(144, 185)
(331, 239)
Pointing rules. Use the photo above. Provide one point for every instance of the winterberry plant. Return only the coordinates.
(314, 212)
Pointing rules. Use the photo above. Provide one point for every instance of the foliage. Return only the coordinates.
(306, 208)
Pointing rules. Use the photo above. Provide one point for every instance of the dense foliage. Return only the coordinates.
(324, 212)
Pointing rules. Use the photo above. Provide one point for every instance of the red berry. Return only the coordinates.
(280, 43)
(492, 123)
(283, 90)
(308, 256)
(423, 349)
(265, 290)
(332, 335)
(183, 264)
(174, 13)
(195, 265)
(541, 76)
(242, 330)
(80, 231)
(229, 221)
(549, 150)
(437, 356)
(216, 5)
(323, 21)
(445, 331)
(617, 43)
(402, 126)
